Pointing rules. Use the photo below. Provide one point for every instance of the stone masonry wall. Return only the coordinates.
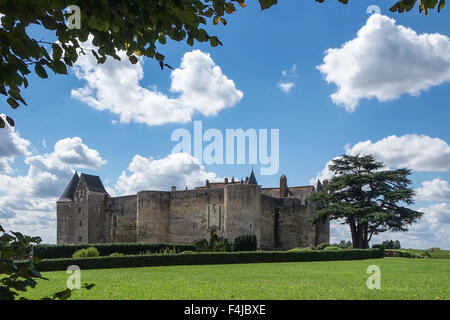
(242, 211)
(188, 214)
(121, 219)
(153, 216)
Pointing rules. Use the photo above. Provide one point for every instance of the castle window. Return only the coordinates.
(80, 238)
(79, 210)
(81, 223)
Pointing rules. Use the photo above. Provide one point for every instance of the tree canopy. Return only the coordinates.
(367, 197)
(138, 27)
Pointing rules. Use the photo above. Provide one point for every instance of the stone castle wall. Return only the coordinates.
(186, 216)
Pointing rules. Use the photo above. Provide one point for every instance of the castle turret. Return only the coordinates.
(252, 179)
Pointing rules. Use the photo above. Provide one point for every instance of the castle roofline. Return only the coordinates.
(93, 183)
(69, 192)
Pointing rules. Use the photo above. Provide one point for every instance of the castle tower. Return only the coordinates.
(81, 211)
(65, 211)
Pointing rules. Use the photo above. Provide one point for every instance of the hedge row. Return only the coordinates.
(48, 251)
(206, 259)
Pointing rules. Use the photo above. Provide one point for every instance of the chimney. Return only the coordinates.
(208, 185)
(174, 189)
(283, 187)
(226, 181)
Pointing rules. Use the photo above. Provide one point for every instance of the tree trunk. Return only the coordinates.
(354, 233)
(359, 235)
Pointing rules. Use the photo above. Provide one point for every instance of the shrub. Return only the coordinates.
(332, 248)
(201, 245)
(382, 247)
(403, 254)
(116, 254)
(245, 243)
(323, 246)
(49, 251)
(209, 258)
(86, 253)
(221, 245)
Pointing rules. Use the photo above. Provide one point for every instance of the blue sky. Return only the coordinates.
(314, 128)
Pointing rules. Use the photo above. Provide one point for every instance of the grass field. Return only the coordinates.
(400, 279)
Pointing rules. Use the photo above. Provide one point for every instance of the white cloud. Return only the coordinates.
(28, 203)
(286, 87)
(416, 152)
(435, 190)
(323, 175)
(386, 61)
(178, 169)
(11, 145)
(74, 152)
(198, 85)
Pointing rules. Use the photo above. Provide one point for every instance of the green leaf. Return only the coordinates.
(59, 67)
(266, 4)
(133, 59)
(40, 71)
(57, 51)
(13, 103)
(10, 121)
(159, 57)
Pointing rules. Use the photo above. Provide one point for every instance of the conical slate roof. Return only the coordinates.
(252, 179)
(93, 183)
(319, 186)
(69, 192)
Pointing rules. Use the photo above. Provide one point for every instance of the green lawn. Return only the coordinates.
(400, 279)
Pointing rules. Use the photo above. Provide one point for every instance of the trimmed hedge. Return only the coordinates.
(245, 243)
(209, 258)
(50, 251)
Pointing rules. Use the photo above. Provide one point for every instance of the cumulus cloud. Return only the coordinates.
(198, 86)
(386, 61)
(72, 151)
(435, 190)
(27, 202)
(178, 169)
(11, 145)
(416, 152)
